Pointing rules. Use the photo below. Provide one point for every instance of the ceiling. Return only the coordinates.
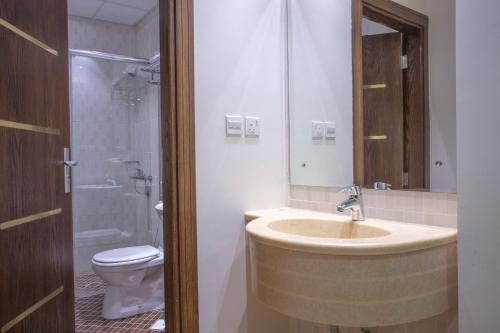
(128, 12)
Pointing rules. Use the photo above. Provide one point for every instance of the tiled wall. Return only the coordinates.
(103, 215)
(145, 129)
(95, 35)
(106, 126)
(436, 209)
(147, 35)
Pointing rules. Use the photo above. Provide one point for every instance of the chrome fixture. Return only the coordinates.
(382, 186)
(68, 164)
(108, 56)
(154, 65)
(111, 181)
(71, 163)
(354, 203)
(130, 162)
(140, 175)
(154, 69)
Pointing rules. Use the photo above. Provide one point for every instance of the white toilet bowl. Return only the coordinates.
(134, 280)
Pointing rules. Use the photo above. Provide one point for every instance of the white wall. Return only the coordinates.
(320, 62)
(478, 117)
(239, 61)
(442, 94)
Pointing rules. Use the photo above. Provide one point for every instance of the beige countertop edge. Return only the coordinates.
(447, 236)
(346, 250)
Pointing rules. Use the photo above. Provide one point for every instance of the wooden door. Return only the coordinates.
(36, 275)
(383, 110)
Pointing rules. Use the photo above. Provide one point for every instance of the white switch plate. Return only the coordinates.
(330, 130)
(252, 126)
(234, 125)
(318, 130)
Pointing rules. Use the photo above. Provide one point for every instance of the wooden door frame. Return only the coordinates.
(412, 23)
(179, 186)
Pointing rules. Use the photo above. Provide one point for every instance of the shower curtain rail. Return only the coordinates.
(108, 56)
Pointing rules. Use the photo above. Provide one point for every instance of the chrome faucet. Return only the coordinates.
(354, 203)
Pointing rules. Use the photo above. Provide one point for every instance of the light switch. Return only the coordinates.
(252, 126)
(318, 130)
(234, 125)
(330, 131)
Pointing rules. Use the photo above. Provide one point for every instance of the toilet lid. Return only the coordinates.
(127, 254)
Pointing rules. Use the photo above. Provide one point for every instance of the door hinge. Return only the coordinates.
(404, 62)
(406, 179)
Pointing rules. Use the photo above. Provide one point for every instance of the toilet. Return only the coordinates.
(134, 280)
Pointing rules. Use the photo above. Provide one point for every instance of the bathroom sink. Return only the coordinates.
(327, 269)
(326, 228)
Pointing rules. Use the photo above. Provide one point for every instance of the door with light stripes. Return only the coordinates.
(36, 265)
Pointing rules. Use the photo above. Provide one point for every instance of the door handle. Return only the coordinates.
(68, 164)
(71, 164)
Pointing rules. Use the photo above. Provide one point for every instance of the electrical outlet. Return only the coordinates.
(252, 126)
(318, 130)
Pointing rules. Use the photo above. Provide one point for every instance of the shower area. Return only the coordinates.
(115, 140)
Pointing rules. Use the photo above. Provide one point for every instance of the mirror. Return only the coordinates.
(372, 93)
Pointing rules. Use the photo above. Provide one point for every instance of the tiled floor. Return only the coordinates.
(89, 292)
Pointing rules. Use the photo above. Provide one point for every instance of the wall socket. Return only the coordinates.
(318, 130)
(252, 126)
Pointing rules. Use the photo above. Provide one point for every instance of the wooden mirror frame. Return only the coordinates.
(416, 28)
(179, 186)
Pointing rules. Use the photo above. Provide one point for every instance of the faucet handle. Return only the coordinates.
(382, 186)
(352, 190)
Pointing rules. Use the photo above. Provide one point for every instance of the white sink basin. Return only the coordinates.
(159, 209)
(326, 228)
(326, 269)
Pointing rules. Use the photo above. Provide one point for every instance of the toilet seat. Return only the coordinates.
(126, 256)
